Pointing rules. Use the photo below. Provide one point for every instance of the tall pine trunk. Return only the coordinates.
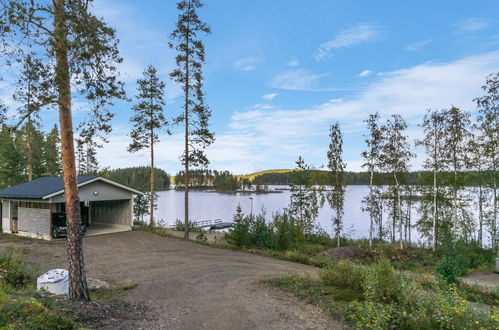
(186, 176)
(152, 195)
(371, 208)
(77, 280)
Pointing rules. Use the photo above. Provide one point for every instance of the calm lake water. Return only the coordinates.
(211, 205)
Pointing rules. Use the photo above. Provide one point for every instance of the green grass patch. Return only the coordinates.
(114, 294)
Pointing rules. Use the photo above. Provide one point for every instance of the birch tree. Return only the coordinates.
(81, 53)
(336, 197)
(395, 158)
(456, 139)
(147, 120)
(185, 39)
(488, 126)
(434, 129)
(304, 199)
(371, 162)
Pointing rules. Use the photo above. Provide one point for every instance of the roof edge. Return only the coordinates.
(98, 178)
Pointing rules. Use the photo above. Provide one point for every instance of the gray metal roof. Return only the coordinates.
(39, 188)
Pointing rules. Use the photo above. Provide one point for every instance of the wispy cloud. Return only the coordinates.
(246, 63)
(472, 24)
(269, 96)
(418, 45)
(293, 62)
(299, 79)
(365, 73)
(346, 38)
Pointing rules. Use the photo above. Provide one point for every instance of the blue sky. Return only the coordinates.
(278, 73)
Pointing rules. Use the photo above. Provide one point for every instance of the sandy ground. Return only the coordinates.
(489, 280)
(188, 285)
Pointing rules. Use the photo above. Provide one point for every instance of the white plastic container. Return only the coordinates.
(497, 266)
(54, 281)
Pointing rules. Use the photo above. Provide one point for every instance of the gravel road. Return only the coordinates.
(188, 285)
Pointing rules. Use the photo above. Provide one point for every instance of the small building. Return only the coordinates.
(106, 206)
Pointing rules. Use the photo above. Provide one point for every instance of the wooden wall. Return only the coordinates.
(117, 212)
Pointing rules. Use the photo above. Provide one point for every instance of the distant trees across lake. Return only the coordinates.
(138, 177)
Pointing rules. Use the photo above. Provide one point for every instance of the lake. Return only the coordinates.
(206, 205)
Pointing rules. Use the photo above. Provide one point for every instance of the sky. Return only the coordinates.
(279, 73)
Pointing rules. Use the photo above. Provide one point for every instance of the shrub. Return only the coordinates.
(12, 270)
(370, 315)
(260, 233)
(297, 256)
(448, 270)
(384, 284)
(344, 274)
(287, 235)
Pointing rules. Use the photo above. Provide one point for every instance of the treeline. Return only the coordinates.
(420, 178)
(221, 181)
(27, 153)
(138, 177)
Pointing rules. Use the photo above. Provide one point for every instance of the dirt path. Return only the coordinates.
(488, 280)
(190, 286)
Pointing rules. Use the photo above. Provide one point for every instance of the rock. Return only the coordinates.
(94, 283)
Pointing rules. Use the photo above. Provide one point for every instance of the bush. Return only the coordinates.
(448, 270)
(260, 233)
(384, 284)
(12, 270)
(370, 315)
(344, 274)
(287, 235)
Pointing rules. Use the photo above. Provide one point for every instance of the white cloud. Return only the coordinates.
(293, 62)
(247, 63)
(260, 137)
(299, 79)
(346, 38)
(365, 73)
(472, 24)
(418, 45)
(269, 96)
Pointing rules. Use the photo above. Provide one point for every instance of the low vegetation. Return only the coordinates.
(377, 296)
(21, 305)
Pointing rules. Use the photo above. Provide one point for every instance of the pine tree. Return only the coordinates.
(190, 60)
(337, 167)
(488, 126)
(11, 160)
(83, 54)
(31, 92)
(147, 120)
(395, 158)
(371, 157)
(434, 128)
(52, 153)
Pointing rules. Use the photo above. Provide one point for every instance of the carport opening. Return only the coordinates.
(98, 217)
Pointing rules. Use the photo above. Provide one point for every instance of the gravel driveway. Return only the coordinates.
(189, 285)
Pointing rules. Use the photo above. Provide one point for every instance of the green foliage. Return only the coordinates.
(224, 181)
(383, 283)
(260, 233)
(139, 177)
(20, 306)
(12, 270)
(343, 274)
(240, 232)
(370, 315)
(448, 270)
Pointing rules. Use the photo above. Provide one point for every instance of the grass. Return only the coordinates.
(113, 294)
(379, 296)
